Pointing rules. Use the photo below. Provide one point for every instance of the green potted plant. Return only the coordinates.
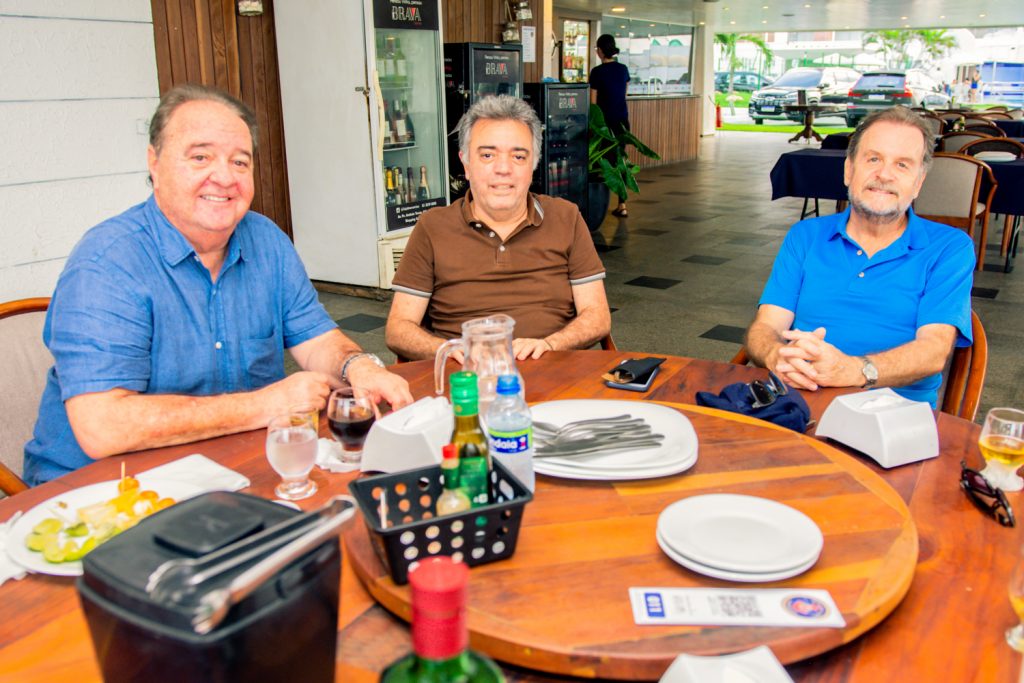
(609, 168)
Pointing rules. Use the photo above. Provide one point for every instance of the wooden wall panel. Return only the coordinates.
(204, 41)
(669, 126)
(481, 21)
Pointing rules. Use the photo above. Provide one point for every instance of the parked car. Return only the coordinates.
(827, 85)
(742, 81)
(883, 89)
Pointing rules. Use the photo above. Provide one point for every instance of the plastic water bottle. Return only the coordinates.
(510, 430)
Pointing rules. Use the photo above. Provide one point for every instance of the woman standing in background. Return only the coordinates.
(608, 91)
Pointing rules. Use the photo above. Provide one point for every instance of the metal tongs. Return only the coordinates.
(180, 582)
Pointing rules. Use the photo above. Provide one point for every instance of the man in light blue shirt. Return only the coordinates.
(873, 296)
(169, 322)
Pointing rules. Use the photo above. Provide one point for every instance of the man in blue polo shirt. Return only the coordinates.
(873, 296)
(169, 321)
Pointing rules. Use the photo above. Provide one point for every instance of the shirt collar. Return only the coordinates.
(915, 236)
(534, 212)
(173, 246)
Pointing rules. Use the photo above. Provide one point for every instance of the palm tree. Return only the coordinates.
(893, 44)
(935, 43)
(729, 41)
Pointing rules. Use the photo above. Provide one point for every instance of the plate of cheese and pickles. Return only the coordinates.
(54, 536)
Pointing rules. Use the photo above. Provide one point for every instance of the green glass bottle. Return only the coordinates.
(440, 639)
(474, 456)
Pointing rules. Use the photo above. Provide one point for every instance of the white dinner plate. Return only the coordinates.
(996, 156)
(79, 498)
(676, 453)
(725, 574)
(740, 533)
(541, 466)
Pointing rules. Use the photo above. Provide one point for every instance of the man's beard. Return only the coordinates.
(874, 215)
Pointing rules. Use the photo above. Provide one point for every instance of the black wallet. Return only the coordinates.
(633, 371)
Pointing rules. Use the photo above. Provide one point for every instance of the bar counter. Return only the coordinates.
(669, 124)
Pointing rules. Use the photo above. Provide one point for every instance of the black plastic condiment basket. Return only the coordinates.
(414, 531)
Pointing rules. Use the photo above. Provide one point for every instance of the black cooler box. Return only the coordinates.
(285, 630)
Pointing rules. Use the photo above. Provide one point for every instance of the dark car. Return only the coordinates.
(828, 85)
(742, 81)
(883, 89)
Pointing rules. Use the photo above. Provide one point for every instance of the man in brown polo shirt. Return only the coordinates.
(500, 249)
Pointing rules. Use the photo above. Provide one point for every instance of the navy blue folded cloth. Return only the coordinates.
(789, 411)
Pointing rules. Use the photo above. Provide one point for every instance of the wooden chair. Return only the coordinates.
(23, 367)
(1010, 227)
(952, 142)
(1016, 114)
(997, 116)
(951, 195)
(965, 377)
(936, 124)
(985, 129)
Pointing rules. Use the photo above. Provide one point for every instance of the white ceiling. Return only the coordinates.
(809, 15)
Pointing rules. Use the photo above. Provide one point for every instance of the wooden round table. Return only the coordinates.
(561, 603)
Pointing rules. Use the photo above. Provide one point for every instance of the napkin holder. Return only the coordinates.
(883, 425)
(410, 437)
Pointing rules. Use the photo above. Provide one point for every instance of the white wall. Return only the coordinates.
(78, 86)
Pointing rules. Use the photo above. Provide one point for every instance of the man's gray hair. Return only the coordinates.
(901, 115)
(500, 108)
(191, 92)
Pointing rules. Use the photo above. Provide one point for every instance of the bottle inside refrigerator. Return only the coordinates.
(575, 51)
(564, 109)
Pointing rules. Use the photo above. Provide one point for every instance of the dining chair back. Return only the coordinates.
(997, 116)
(985, 129)
(965, 376)
(1016, 114)
(934, 123)
(951, 194)
(23, 368)
(952, 142)
(993, 109)
(976, 118)
(1011, 224)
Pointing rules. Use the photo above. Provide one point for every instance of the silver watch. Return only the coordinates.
(356, 356)
(870, 372)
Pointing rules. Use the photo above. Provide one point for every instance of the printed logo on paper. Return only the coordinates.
(805, 607)
(654, 605)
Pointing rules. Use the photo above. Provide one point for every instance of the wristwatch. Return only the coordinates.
(356, 356)
(870, 372)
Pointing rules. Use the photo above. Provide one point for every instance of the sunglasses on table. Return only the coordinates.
(767, 392)
(990, 500)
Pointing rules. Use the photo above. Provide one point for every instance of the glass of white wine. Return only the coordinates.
(291, 451)
(1015, 635)
(1002, 445)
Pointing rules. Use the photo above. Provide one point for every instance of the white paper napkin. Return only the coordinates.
(9, 569)
(328, 457)
(200, 471)
(758, 665)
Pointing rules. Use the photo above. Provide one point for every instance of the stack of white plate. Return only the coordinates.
(995, 156)
(677, 452)
(739, 538)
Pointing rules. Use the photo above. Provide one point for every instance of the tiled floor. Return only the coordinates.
(693, 256)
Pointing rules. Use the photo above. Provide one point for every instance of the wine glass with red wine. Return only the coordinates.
(350, 414)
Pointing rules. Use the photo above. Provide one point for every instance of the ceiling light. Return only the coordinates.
(807, 7)
(701, 23)
(942, 16)
(618, 9)
(733, 23)
(764, 21)
(903, 18)
(906, 25)
(981, 16)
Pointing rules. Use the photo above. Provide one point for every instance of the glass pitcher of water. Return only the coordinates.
(486, 345)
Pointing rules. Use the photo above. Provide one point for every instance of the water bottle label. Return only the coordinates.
(508, 443)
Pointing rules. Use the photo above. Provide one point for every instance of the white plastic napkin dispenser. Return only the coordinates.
(883, 425)
(409, 438)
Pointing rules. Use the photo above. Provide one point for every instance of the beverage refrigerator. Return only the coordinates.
(564, 110)
(575, 51)
(363, 106)
(473, 71)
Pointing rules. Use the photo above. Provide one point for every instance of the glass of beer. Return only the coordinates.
(1002, 445)
(1015, 635)
(291, 451)
(350, 414)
